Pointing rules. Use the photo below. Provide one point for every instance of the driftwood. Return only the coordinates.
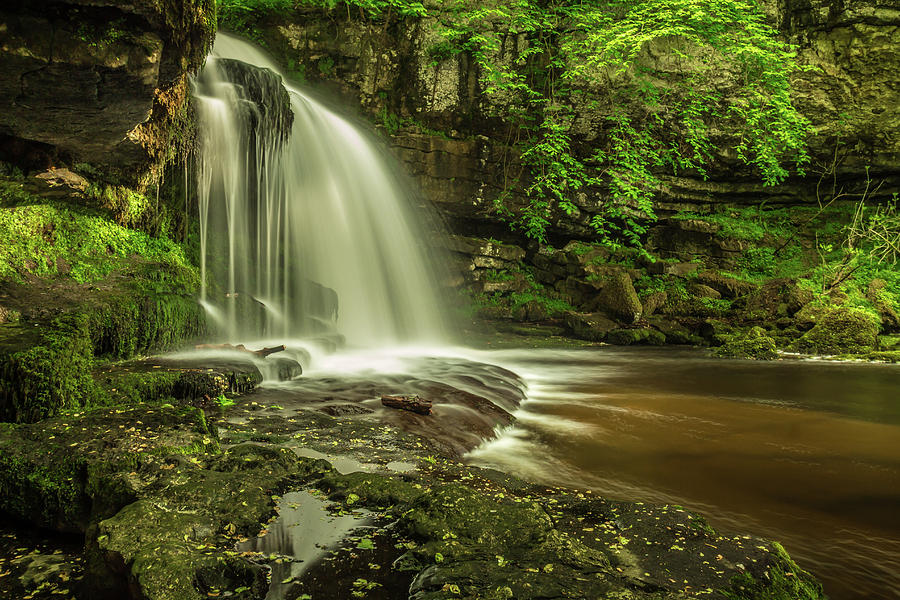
(411, 403)
(241, 348)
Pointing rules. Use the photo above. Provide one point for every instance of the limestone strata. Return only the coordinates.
(97, 81)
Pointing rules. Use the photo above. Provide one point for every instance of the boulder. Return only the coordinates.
(630, 337)
(755, 344)
(590, 326)
(619, 299)
(703, 291)
(884, 303)
(840, 330)
(653, 302)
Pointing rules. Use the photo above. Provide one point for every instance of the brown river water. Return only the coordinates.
(804, 452)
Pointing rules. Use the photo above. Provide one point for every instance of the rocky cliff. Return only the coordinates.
(444, 127)
(99, 81)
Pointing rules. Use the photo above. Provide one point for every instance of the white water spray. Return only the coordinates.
(305, 235)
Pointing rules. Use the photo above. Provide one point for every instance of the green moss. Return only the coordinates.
(784, 581)
(44, 373)
(44, 238)
(840, 330)
(755, 344)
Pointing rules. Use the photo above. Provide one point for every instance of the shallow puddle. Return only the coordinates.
(305, 530)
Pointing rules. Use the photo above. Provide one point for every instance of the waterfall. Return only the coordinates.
(304, 229)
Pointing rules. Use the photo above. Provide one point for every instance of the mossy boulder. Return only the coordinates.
(62, 473)
(590, 326)
(839, 330)
(157, 550)
(619, 299)
(630, 337)
(755, 344)
(781, 579)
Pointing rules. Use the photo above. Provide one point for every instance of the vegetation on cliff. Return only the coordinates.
(546, 68)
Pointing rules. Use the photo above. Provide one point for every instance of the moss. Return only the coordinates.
(840, 330)
(44, 237)
(629, 337)
(755, 344)
(784, 581)
(42, 374)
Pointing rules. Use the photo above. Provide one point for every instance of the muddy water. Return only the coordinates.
(803, 452)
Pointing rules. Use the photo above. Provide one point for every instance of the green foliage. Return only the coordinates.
(591, 55)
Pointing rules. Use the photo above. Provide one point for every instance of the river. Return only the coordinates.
(804, 452)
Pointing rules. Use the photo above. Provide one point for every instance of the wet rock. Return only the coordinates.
(674, 332)
(630, 337)
(271, 115)
(590, 326)
(153, 550)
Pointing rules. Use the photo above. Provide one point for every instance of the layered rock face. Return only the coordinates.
(437, 113)
(98, 81)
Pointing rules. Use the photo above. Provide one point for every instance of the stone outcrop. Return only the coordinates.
(98, 81)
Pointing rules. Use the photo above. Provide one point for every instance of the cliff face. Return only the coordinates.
(437, 115)
(98, 81)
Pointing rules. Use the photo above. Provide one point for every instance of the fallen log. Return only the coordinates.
(412, 403)
(241, 348)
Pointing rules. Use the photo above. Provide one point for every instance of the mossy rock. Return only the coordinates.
(755, 344)
(58, 475)
(840, 330)
(46, 361)
(619, 299)
(630, 337)
(159, 551)
(783, 580)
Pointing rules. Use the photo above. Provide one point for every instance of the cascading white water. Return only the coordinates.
(315, 228)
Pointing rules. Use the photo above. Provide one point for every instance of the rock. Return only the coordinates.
(884, 303)
(728, 287)
(674, 332)
(591, 326)
(531, 312)
(100, 81)
(629, 337)
(776, 298)
(653, 302)
(619, 299)
(267, 107)
(716, 332)
(678, 269)
(703, 291)
(755, 344)
(840, 330)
